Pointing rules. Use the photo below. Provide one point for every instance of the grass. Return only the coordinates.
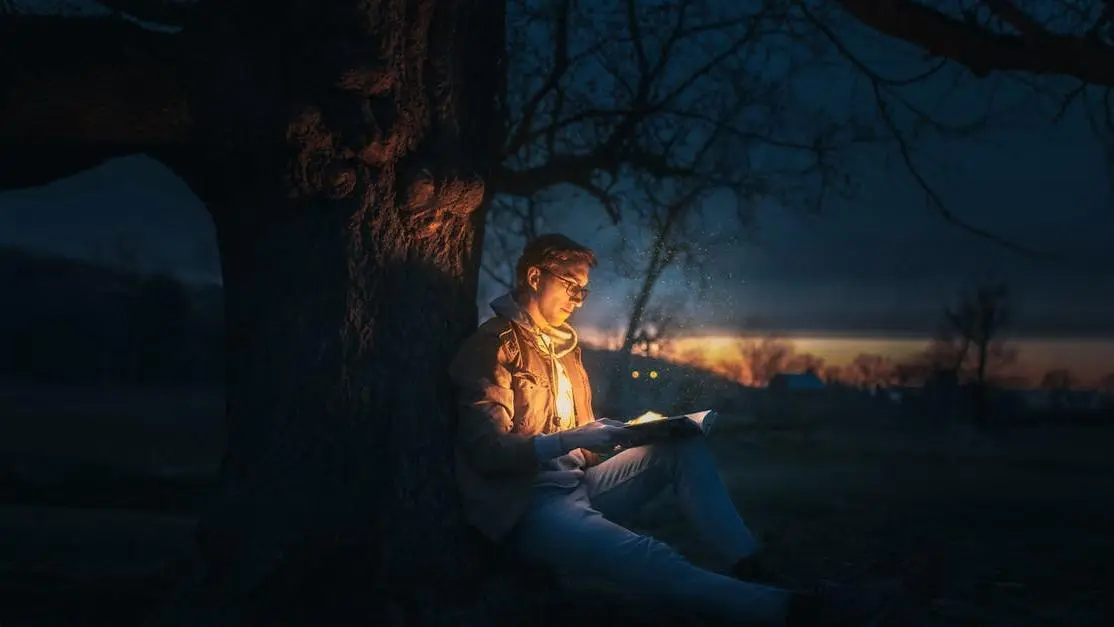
(1019, 522)
(1018, 538)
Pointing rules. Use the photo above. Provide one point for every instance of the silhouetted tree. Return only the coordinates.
(806, 362)
(868, 370)
(342, 150)
(1058, 382)
(977, 319)
(911, 373)
(766, 357)
(834, 374)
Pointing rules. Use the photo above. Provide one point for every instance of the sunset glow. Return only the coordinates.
(1089, 359)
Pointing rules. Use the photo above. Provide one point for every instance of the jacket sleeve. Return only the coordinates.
(486, 408)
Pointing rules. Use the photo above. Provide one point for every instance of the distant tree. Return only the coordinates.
(911, 373)
(868, 370)
(948, 351)
(766, 357)
(833, 374)
(976, 321)
(1059, 379)
(806, 362)
(656, 332)
(1106, 383)
(1058, 382)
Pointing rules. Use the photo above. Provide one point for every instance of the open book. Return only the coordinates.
(654, 426)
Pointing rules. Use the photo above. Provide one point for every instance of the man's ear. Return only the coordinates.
(533, 277)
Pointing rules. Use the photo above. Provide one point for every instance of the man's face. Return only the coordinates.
(558, 290)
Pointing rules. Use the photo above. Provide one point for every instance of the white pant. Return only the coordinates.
(572, 529)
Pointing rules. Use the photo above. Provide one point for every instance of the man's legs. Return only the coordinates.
(619, 486)
(563, 530)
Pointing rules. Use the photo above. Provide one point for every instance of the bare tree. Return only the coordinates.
(834, 374)
(342, 149)
(1059, 379)
(807, 362)
(912, 373)
(976, 320)
(656, 332)
(868, 370)
(1058, 383)
(766, 357)
(650, 108)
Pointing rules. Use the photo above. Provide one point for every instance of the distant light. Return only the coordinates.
(653, 374)
(634, 374)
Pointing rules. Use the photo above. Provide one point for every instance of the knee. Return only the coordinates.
(676, 451)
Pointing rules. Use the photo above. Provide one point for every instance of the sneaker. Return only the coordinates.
(831, 605)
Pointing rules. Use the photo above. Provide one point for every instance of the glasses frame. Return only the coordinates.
(572, 288)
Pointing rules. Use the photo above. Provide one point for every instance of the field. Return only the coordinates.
(1019, 521)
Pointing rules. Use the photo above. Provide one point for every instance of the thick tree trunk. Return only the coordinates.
(344, 151)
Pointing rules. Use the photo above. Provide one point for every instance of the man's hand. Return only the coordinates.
(599, 436)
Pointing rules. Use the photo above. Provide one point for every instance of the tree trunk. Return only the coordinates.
(343, 152)
(982, 408)
(620, 379)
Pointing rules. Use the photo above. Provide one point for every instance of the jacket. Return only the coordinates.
(505, 389)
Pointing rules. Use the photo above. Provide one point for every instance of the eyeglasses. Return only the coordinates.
(572, 288)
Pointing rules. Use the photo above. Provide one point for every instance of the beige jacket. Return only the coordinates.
(505, 387)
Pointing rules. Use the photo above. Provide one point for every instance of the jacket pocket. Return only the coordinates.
(531, 402)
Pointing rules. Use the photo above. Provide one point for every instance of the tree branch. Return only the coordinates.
(983, 51)
(76, 92)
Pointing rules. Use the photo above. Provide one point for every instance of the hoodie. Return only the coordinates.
(557, 467)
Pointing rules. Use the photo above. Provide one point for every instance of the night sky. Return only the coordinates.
(880, 264)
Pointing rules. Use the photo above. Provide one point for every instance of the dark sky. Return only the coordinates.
(882, 262)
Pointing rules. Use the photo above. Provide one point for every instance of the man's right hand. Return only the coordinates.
(600, 436)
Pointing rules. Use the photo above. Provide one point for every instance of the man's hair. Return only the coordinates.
(551, 249)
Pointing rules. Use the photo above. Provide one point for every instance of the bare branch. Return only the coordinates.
(560, 67)
(62, 112)
(636, 88)
(984, 51)
(905, 150)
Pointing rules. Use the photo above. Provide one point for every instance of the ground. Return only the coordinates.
(1019, 520)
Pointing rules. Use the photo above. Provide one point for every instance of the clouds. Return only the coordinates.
(880, 263)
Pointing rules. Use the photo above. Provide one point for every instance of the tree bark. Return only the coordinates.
(341, 150)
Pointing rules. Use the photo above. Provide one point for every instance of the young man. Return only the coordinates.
(530, 477)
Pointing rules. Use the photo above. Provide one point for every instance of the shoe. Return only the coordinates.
(831, 605)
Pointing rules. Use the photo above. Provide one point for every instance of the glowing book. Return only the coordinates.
(654, 426)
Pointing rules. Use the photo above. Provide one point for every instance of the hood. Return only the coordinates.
(563, 338)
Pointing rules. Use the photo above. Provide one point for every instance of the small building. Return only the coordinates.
(796, 381)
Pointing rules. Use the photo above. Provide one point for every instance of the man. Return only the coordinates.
(530, 476)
